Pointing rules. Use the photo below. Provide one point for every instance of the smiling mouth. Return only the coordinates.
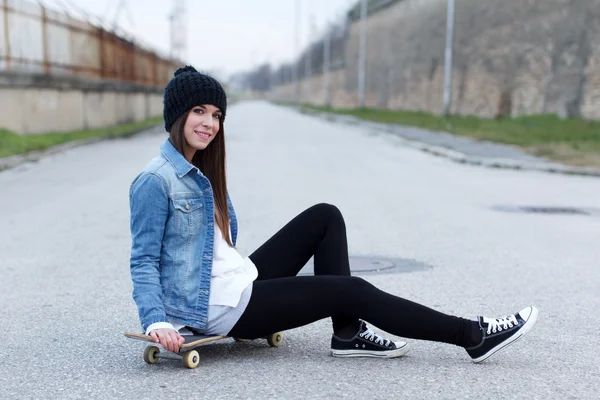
(202, 135)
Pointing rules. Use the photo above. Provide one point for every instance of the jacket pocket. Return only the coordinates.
(188, 205)
(188, 216)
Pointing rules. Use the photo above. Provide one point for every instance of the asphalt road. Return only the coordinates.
(65, 289)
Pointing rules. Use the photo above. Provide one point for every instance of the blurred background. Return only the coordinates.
(474, 58)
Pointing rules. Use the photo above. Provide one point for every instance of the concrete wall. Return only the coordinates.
(312, 91)
(33, 104)
(531, 52)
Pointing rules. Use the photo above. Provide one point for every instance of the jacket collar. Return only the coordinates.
(177, 160)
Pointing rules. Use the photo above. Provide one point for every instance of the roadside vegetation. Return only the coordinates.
(574, 142)
(12, 143)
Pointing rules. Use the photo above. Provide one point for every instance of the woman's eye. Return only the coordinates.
(198, 110)
(218, 116)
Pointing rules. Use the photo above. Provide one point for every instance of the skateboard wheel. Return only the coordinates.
(191, 359)
(275, 339)
(150, 353)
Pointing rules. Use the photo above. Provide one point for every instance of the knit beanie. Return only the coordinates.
(189, 88)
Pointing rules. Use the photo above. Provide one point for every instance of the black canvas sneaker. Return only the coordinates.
(367, 344)
(500, 332)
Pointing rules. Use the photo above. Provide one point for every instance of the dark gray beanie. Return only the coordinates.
(189, 88)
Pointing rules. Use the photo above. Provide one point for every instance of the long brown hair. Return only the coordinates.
(211, 161)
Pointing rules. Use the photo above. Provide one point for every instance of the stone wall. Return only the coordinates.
(312, 91)
(513, 57)
(34, 104)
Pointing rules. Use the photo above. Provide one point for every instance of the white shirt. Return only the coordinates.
(231, 274)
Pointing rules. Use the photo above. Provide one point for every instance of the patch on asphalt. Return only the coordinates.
(373, 265)
(549, 210)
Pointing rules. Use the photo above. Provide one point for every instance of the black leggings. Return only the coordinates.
(281, 300)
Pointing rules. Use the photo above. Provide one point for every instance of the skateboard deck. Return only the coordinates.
(191, 341)
(187, 351)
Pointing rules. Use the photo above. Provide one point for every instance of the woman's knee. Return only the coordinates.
(353, 286)
(360, 284)
(329, 212)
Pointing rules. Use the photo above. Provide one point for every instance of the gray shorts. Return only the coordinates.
(222, 319)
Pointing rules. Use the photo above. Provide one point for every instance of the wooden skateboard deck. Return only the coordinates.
(191, 341)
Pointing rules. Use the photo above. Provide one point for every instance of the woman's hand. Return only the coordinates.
(170, 339)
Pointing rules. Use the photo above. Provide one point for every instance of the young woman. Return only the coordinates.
(187, 274)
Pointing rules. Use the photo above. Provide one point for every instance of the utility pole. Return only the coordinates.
(308, 61)
(362, 55)
(295, 59)
(326, 63)
(448, 58)
(178, 31)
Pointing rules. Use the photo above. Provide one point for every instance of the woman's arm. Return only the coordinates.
(149, 207)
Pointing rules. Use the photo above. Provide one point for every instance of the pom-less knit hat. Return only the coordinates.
(189, 88)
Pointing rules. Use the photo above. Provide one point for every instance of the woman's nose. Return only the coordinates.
(207, 122)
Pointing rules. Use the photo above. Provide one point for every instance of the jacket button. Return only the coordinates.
(187, 206)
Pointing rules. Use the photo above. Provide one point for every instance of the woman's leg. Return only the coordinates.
(319, 231)
(287, 303)
(282, 301)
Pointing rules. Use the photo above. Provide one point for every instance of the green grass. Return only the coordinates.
(575, 141)
(12, 143)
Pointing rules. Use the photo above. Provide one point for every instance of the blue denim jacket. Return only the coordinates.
(172, 232)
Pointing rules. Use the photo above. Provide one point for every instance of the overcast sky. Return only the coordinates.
(223, 36)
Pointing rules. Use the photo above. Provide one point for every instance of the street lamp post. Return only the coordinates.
(326, 62)
(448, 58)
(362, 57)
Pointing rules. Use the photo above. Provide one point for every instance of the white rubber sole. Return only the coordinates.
(399, 352)
(526, 328)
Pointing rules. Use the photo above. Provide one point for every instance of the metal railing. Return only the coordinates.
(37, 39)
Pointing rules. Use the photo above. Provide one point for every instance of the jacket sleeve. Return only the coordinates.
(149, 208)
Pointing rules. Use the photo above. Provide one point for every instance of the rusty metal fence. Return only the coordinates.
(37, 39)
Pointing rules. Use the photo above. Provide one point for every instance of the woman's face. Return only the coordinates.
(201, 127)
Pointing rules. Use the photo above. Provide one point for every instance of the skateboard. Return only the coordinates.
(187, 351)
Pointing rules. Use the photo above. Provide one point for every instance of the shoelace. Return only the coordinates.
(498, 324)
(370, 335)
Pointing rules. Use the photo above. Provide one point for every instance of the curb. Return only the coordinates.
(500, 163)
(34, 156)
(456, 156)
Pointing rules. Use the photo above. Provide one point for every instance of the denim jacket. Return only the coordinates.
(172, 233)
